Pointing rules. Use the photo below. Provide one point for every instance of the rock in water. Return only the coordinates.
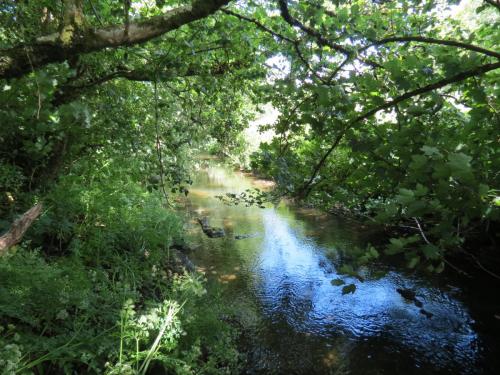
(407, 294)
(243, 236)
(180, 262)
(411, 296)
(426, 313)
(210, 231)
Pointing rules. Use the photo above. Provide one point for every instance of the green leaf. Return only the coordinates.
(373, 252)
(439, 268)
(430, 251)
(396, 246)
(459, 164)
(431, 151)
(483, 190)
(323, 95)
(405, 196)
(418, 162)
(416, 208)
(414, 261)
(421, 190)
(346, 269)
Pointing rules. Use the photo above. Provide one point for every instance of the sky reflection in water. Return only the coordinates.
(287, 269)
(295, 281)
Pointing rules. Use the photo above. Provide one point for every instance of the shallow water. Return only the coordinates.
(278, 281)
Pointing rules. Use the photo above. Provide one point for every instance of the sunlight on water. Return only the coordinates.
(285, 273)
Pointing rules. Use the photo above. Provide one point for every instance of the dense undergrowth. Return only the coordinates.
(93, 289)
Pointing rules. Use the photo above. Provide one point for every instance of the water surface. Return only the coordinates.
(278, 282)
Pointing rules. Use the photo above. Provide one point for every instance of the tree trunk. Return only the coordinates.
(16, 232)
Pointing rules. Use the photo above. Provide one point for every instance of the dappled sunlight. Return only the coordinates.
(249, 187)
(331, 359)
(199, 193)
(291, 276)
(227, 278)
(228, 223)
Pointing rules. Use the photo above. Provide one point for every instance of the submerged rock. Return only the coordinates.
(243, 236)
(426, 313)
(180, 262)
(211, 232)
(182, 247)
(408, 294)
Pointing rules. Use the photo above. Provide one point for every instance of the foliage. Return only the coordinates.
(76, 313)
(387, 108)
(425, 165)
(69, 317)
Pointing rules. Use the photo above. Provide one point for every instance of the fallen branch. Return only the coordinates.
(16, 232)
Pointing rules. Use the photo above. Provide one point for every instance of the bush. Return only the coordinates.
(91, 289)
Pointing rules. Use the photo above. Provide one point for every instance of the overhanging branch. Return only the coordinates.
(20, 60)
(67, 93)
(421, 39)
(306, 188)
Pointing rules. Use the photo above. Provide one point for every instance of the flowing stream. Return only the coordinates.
(278, 282)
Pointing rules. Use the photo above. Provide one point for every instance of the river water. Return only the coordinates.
(278, 283)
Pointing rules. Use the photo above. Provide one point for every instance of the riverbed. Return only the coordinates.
(277, 281)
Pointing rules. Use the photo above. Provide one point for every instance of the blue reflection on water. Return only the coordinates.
(294, 285)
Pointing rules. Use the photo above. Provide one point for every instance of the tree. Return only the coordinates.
(346, 69)
(75, 37)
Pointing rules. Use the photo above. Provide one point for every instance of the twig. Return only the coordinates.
(158, 141)
(480, 265)
(422, 233)
(96, 13)
(37, 85)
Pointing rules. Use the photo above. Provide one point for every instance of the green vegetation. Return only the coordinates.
(388, 109)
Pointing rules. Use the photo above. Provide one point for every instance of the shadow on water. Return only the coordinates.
(279, 283)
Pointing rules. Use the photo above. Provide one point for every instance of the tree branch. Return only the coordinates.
(322, 41)
(16, 232)
(305, 190)
(421, 39)
(259, 25)
(68, 93)
(53, 48)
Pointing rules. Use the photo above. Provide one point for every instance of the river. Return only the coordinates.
(278, 284)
